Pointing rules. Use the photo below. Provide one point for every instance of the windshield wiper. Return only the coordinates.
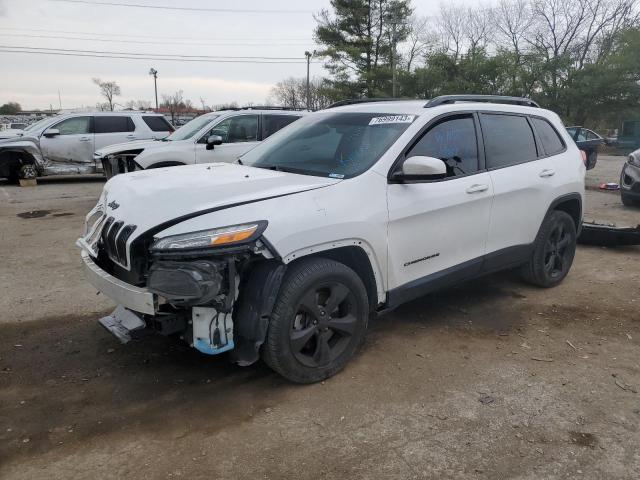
(300, 171)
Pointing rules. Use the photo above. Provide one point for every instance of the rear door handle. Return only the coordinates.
(547, 172)
(85, 139)
(131, 136)
(475, 188)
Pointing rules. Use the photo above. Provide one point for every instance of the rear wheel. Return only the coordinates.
(554, 249)
(318, 321)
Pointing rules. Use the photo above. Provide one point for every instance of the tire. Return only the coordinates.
(628, 201)
(553, 252)
(306, 342)
(164, 164)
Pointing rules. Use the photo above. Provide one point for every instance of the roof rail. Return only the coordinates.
(355, 101)
(261, 107)
(446, 99)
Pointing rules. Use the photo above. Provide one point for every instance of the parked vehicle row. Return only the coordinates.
(347, 212)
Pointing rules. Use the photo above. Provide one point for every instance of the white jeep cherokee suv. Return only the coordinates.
(347, 212)
(220, 136)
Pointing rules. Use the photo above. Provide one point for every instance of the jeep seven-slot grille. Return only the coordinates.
(114, 240)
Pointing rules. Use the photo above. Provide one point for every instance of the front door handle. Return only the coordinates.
(131, 137)
(85, 139)
(547, 172)
(475, 188)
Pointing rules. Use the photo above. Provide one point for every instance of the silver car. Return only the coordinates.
(66, 144)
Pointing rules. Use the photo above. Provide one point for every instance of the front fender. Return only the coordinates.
(25, 146)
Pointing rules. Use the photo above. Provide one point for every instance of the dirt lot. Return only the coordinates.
(493, 379)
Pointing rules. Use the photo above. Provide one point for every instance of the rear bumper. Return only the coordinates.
(134, 298)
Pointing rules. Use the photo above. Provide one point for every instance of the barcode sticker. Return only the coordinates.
(392, 119)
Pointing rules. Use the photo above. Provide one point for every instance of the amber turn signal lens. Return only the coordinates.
(233, 237)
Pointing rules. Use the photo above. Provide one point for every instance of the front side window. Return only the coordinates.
(551, 141)
(242, 128)
(272, 123)
(114, 124)
(454, 142)
(337, 145)
(508, 140)
(74, 126)
(592, 135)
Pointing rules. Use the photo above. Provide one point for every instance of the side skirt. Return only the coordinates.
(493, 262)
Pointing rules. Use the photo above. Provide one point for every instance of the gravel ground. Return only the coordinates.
(492, 379)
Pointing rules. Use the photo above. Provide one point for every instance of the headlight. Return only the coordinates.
(634, 161)
(217, 237)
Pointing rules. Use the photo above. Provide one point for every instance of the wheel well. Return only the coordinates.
(11, 161)
(357, 260)
(573, 207)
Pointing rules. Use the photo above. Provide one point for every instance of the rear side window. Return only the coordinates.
(105, 124)
(508, 140)
(272, 123)
(454, 142)
(551, 141)
(157, 124)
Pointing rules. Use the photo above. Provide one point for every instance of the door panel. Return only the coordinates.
(440, 225)
(522, 182)
(435, 226)
(72, 150)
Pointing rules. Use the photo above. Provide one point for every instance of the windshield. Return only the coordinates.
(189, 129)
(336, 145)
(39, 123)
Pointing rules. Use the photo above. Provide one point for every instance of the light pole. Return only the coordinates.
(154, 72)
(308, 55)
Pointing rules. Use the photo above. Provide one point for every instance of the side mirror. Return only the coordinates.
(421, 168)
(213, 140)
(52, 132)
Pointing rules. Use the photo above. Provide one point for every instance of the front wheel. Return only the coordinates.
(318, 321)
(628, 201)
(554, 249)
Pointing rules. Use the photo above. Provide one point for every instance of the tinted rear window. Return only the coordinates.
(508, 140)
(104, 124)
(551, 141)
(157, 124)
(272, 123)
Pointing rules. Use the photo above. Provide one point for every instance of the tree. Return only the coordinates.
(358, 39)
(10, 108)
(292, 93)
(138, 105)
(108, 90)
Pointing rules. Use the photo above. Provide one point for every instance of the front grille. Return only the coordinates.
(114, 240)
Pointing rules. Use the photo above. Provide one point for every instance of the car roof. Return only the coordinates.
(417, 107)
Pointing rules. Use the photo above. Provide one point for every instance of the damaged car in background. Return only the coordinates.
(220, 136)
(347, 212)
(65, 144)
(630, 180)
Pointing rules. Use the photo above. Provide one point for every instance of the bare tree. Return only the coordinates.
(288, 92)
(478, 30)
(421, 38)
(174, 103)
(451, 23)
(108, 90)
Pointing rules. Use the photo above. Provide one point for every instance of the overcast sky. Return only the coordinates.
(285, 30)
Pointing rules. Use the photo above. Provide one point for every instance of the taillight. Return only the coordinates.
(584, 157)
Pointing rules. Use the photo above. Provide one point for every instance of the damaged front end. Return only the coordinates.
(214, 289)
(117, 163)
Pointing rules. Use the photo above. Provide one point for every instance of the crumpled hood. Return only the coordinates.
(151, 198)
(136, 145)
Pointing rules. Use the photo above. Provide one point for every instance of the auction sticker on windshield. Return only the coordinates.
(392, 119)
